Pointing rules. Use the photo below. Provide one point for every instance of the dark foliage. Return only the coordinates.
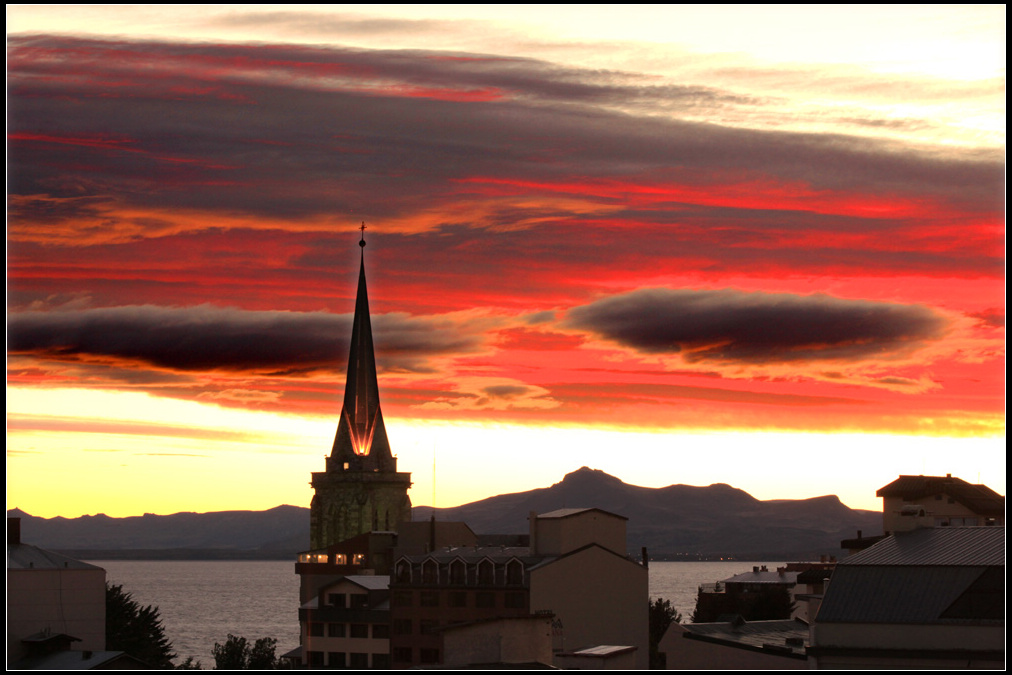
(134, 629)
(237, 654)
(661, 615)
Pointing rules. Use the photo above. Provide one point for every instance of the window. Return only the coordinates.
(403, 574)
(335, 599)
(428, 626)
(340, 559)
(360, 601)
(430, 599)
(316, 629)
(402, 598)
(514, 600)
(402, 654)
(486, 573)
(458, 571)
(358, 559)
(359, 630)
(336, 659)
(458, 599)
(359, 660)
(484, 599)
(514, 573)
(381, 661)
(315, 659)
(430, 572)
(335, 630)
(381, 631)
(428, 655)
(402, 626)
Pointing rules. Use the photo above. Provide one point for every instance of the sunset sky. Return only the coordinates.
(762, 246)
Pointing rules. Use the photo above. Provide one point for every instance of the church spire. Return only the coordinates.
(361, 441)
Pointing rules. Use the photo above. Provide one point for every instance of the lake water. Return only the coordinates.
(201, 602)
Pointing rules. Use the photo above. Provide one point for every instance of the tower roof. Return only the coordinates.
(361, 441)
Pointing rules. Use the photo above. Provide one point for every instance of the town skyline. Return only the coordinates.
(605, 243)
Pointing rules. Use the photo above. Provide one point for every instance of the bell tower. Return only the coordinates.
(360, 490)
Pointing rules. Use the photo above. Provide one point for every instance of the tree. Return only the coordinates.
(236, 654)
(136, 630)
(262, 657)
(660, 617)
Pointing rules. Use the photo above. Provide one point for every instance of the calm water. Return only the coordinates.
(202, 602)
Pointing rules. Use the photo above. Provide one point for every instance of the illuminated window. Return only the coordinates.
(340, 559)
(358, 559)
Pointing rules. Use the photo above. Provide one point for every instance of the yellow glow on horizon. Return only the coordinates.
(477, 460)
(171, 456)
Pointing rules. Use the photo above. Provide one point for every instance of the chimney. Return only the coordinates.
(532, 517)
(13, 531)
(646, 560)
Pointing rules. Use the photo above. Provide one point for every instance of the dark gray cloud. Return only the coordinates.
(731, 326)
(392, 132)
(206, 338)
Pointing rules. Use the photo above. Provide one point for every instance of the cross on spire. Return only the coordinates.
(361, 242)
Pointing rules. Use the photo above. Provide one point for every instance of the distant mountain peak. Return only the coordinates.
(586, 473)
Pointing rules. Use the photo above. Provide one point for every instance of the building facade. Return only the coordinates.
(571, 574)
(346, 624)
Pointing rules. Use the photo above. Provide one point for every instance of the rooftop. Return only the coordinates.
(978, 498)
(26, 556)
(936, 546)
(786, 637)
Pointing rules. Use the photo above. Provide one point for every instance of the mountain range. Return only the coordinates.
(680, 521)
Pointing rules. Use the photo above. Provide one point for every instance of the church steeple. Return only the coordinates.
(361, 490)
(361, 440)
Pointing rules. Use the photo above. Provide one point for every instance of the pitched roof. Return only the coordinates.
(978, 498)
(930, 575)
(936, 546)
(26, 556)
(566, 513)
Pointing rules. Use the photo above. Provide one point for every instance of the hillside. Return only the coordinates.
(682, 519)
(716, 520)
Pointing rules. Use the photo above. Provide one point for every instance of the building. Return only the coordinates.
(346, 624)
(932, 501)
(736, 645)
(925, 598)
(574, 572)
(361, 490)
(757, 595)
(54, 602)
(910, 502)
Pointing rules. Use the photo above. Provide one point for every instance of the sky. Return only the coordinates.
(761, 246)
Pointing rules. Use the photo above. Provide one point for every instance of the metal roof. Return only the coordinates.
(754, 634)
(603, 650)
(763, 577)
(565, 513)
(895, 594)
(26, 556)
(370, 582)
(975, 546)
